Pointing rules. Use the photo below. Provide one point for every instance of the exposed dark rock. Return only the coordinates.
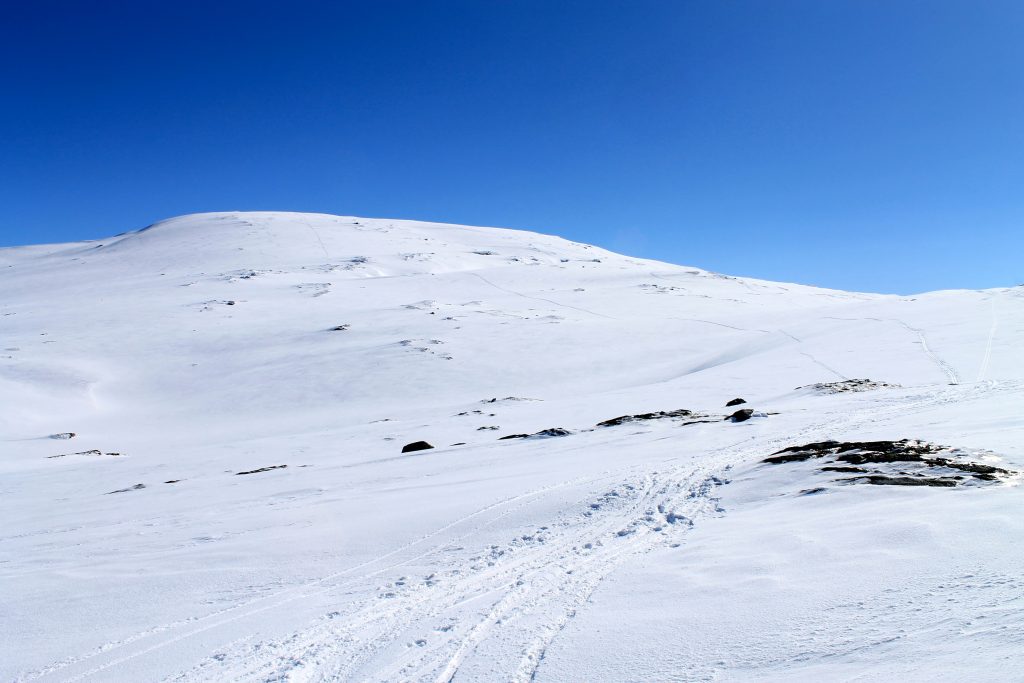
(817, 446)
(972, 467)
(892, 463)
(92, 451)
(876, 457)
(416, 446)
(857, 452)
(63, 435)
(172, 481)
(813, 492)
(882, 480)
(741, 415)
(553, 431)
(735, 402)
(339, 328)
(660, 415)
(262, 469)
(130, 488)
(543, 434)
(487, 427)
(847, 385)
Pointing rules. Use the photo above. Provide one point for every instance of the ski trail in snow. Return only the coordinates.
(943, 365)
(540, 298)
(288, 595)
(317, 235)
(727, 326)
(794, 338)
(830, 369)
(813, 358)
(987, 357)
(946, 368)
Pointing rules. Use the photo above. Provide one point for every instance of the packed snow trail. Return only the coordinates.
(987, 356)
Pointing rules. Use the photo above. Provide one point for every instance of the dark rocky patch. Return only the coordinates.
(63, 435)
(553, 431)
(339, 328)
(172, 481)
(130, 488)
(741, 415)
(882, 480)
(977, 469)
(847, 385)
(813, 492)
(92, 451)
(660, 415)
(487, 427)
(262, 469)
(893, 463)
(416, 446)
(857, 452)
(542, 434)
(735, 402)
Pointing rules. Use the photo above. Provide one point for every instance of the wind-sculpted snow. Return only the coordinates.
(274, 446)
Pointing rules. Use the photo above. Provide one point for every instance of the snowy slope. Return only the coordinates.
(202, 348)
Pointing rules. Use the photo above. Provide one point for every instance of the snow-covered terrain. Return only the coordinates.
(234, 503)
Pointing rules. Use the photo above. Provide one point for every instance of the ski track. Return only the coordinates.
(544, 574)
(540, 298)
(796, 339)
(830, 369)
(284, 596)
(730, 327)
(943, 365)
(318, 239)
(987, 356)
(946, 368)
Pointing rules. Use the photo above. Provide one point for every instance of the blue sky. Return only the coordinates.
(871, 144)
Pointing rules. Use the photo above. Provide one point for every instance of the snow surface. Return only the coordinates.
(204, 346)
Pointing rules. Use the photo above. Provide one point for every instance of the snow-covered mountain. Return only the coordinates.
(202, 429)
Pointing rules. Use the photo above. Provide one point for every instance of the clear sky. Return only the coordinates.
(864, 144)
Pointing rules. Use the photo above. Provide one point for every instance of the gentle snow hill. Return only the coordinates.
(234, 504)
